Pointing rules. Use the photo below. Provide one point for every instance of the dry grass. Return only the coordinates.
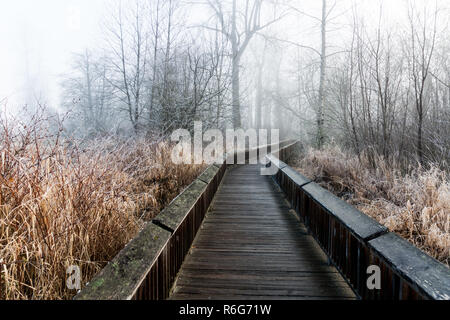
(63, 204)
(416, 205)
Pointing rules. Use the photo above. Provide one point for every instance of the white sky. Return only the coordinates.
(46, 32)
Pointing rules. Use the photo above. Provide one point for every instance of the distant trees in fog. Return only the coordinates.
(389, 94)
(239, 22)
(89, 92)
(385, 90)
(162, 73)
(152, 74)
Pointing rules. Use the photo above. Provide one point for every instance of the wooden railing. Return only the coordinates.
(353, 242)
(147, 267)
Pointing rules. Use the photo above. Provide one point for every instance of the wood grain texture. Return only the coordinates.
(252, 246)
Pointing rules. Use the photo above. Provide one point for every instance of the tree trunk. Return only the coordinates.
(236, 72)
(166, 105)
(323, 65)
(91, 119)
(259, 89)
(259, 99)
(236, 94)
(420, 136)
(154, 72)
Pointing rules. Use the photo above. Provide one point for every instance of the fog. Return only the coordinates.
(39, 37)
(37, 40)
(322, 70)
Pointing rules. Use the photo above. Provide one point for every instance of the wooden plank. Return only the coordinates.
(296, 177)
(200, 297)
(179, 208)
(278, 292)
(252, 246)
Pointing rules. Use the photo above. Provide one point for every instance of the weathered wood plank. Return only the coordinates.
(179, 208)
(128, 268)
(296, 177)
(239, 297)
(278, 292)
(357, 222)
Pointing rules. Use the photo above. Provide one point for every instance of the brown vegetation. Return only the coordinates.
(415, 205)
(65, 204)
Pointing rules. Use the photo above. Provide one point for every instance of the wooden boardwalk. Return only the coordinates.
(252, 246)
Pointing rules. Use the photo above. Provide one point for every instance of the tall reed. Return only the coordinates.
(65, 202)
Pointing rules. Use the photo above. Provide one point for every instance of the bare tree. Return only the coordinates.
(155, 25)
(239, 26)
(323, 20)
(421, 50)
(323, 66)
(87, 92)
(128, 43)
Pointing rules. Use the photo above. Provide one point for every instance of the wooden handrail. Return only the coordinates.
(353, 241)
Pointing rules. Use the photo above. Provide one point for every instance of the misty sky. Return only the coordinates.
(38, 37)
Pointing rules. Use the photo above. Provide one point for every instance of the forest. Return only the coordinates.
(363, 85)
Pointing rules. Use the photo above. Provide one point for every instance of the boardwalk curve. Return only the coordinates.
(252, 246)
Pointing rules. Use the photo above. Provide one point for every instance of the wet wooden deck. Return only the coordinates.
(252, 246)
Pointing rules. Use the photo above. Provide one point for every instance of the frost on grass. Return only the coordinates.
(66, 202)
(415, 205)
